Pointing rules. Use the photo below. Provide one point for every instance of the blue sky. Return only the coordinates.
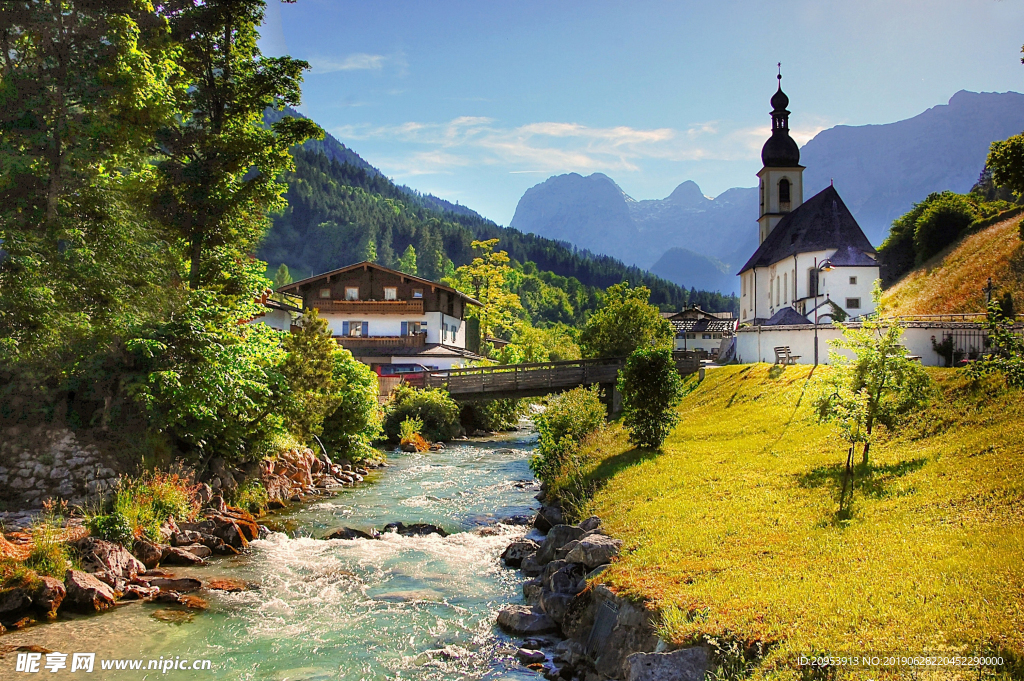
(478, 101)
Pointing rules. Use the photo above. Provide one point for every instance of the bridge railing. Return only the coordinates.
(525, 377)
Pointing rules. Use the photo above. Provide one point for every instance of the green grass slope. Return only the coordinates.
(731, 530)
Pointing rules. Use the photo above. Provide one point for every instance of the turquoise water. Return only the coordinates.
(413, 608)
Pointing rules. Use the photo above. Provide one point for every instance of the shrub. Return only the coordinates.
(434, 407)
(252, 496)
(50, 555)
(651, 388)
(409, 432)
(113, 527)
(349, 430)
(625, 322)
(146, 502)
(941, 223)
(493, 414)
(568, 419)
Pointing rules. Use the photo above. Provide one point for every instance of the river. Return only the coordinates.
(418, 608)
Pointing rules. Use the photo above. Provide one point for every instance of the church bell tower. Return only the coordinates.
(781, 186)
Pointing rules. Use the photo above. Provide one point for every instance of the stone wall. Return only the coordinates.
(41, 463)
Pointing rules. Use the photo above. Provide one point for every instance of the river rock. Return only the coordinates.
(548, 517)
(515, 552)
(138, 592)
(526, 655)
(686, 664)
(569, 579)
(168, 529)
(594, 550)
(530, 567)
(352, 533)
(554, 604)
(228, 585)
(198, 550)
(562, 551)
(13, 601)
(591, 523)
(558, 536)
(86, 593)
(178, 555)
(415, 529)
(148, 553)
(531, 591)
(113, 559)
(180, 584)
(48, 594)
(522, 619)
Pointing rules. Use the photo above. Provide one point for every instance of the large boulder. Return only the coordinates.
(100, 556)
(351, 533)
(530, 567)
(48, 594)
(178, 584)
(594, 550)
(558, 536)
(86, 593)
(554, 604)
(148, 553)
(548, 517)
(415, 529)
(568, 579)
(177, 555)
(686, 664)
(515, 552)
(522, 620)
(14, 601)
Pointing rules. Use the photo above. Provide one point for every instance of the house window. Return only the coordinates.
(325, 293)
(706, 336)
(417, 293)
(691, 336)
(351, 293)
(853, 281)
(784, 191)
(390, 293)
(358, 329)
(853, 303)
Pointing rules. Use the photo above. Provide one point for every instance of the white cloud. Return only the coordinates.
(359, 61)
(556, 147)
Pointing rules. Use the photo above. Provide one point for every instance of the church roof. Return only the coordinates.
(822, 223)
(787, 316)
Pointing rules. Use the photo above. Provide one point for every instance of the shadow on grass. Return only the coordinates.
(803, 391)
(614, 465)
(871, 480)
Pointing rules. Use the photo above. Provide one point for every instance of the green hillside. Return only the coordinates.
(340, 213)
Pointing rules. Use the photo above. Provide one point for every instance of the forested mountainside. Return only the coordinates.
(340, 213)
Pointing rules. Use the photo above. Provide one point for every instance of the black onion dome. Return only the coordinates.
(780, 151)
(779, 99)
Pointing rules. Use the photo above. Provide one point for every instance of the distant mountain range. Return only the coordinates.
(688, 238)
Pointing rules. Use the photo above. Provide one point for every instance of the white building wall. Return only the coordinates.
(699, 342)
(433, 363)
(275, 319)
(391, 325)
(839, 288)
(758, 343)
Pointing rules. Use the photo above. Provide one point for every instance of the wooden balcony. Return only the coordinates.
(363, 307)
(412, 341)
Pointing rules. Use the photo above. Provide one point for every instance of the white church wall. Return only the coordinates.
(844, 283)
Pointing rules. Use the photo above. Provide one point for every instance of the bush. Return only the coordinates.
(942, 223)
(493, 414)
(568, 419)
(148, 501)
(355, 424)
(434, 407)
(50, 556)
(113, 527)
(252, 496)
(651, 388)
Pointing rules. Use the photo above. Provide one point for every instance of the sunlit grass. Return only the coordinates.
(952, 282)
(732, 530)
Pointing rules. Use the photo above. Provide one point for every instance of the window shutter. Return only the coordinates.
(366, 329)
(344, 328)
(405, 328)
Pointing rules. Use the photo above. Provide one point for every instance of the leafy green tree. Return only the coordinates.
(486, 279)
(1006, 162)
(569, 418)
(433, 406)
(942, 223)
(625, 322)
(357, 421)
(282, 277)
(219, 166)
(880, 384)
(651, 388)
(308, 372)
(407, 263)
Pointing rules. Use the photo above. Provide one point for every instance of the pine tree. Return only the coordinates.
(282, 277)
(407, 263)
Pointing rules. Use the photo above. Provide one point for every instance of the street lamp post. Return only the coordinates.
(825, 266)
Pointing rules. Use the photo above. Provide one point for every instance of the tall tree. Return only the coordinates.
(219, 165)
(486, 279)
(430, 253)
(625, 322)
(407, 263)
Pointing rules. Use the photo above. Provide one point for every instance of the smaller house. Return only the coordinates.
(384, 316)
(699, 330)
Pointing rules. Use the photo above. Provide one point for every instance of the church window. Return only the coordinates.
(853, 303)
(783, 190)
(778, 296)
(853, 281)
(785, 287)
(812, 282)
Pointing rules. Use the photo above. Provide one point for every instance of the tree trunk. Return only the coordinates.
(196, 252)
(847, 480)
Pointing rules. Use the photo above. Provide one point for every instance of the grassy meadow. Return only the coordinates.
(948, 283)
(731, 531)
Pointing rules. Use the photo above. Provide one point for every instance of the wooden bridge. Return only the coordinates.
(523, 380)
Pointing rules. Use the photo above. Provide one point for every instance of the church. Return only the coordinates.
(814, 262)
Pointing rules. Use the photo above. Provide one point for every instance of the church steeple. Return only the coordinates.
(781, 187)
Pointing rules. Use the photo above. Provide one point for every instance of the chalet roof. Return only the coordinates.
(426, 352)
(366, 264)
(823, 223)
(694, 312)
(702, 325)
(787, 316)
